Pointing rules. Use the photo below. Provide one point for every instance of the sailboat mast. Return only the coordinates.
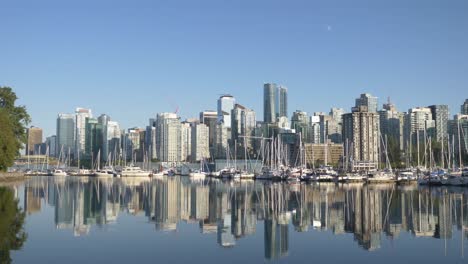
(460, 162)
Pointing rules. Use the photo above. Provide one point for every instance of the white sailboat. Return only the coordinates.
(198, 174)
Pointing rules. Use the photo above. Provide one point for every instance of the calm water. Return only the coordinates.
(176, 220)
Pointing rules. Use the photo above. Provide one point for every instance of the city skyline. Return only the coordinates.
(49, 126)
(107, 57)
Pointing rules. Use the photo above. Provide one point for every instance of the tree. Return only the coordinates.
(12, 235)
(8, 144)
(14, 121)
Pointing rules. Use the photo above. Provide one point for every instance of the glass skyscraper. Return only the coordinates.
(225, 105)
(65, 132)
(275, 102)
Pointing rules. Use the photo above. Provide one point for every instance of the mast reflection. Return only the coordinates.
(233, 210)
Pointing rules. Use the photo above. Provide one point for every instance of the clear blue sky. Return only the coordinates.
(133, 59)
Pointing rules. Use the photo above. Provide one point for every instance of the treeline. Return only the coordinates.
(13, 122)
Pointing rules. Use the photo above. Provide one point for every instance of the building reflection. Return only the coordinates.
(233, 210)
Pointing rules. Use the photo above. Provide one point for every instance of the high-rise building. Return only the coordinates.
(464, 108)
(34, 136)
(114, 135)
(330, 129)
(103, 120)
(243, 124)
(337, 115)
(369, 101)
(65, 133)
(419, 125)
(361, 129)
(131, 144)
(440, 114)
(221, 141)
(269, 110)
(51, 143)
(186, 140)
(281, 105)
(151, 138)
(459, 130)
(392, 123)
(275, 102)
(80, 127)
(225, 105)
(210, 119)
(168, 137)
(200, 142)
(94, 138)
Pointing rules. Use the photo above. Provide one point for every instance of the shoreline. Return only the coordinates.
(6, 177)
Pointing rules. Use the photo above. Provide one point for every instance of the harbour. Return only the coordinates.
(244, 221)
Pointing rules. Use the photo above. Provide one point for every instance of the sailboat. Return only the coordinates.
(57, 171)
(107, 171)
(198, 174)
(245, 174)
(385, 175)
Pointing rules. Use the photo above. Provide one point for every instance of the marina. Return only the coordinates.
(244, 221)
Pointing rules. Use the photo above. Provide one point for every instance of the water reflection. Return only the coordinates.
(234, 210)
(12, 235)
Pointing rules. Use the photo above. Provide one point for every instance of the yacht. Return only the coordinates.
(380, 177)
(246, 175)
(325, 174)
(406, 176)
(58, 172)
(105, 172)
(197, 174)
(133, 171)
(355, 177)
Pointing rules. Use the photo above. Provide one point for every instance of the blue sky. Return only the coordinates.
(133, 59)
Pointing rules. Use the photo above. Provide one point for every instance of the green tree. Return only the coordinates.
(14, 120)
(8, 145)
(12, 234)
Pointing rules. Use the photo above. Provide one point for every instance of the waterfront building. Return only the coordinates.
(168, 137)
(392, 123)
(330, 130)
(459, 129)
(419, 125)
(94, 137)
(103, 120)
(221, 141)
(368, 101)
(440, 115)
(131, 144)
(114, 135)
(225, 105)
(361, 129)
(185, 140)
(200, 142)
(34, 137)
(65, 133)
(80, 127)
(243, 124)
(51, 143)
(323, 154)
(210, 119)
